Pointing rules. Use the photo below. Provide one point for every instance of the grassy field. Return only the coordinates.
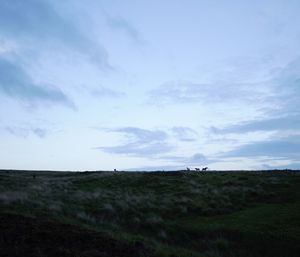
(175, 214)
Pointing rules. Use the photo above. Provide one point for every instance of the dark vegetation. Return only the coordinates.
(210, 214)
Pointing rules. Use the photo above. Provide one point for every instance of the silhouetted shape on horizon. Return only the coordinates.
(204, 169)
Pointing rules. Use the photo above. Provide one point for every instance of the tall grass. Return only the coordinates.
(155, 206)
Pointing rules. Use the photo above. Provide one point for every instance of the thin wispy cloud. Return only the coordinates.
(34, 23)
(282, 119)
(121, 24)
(104, 92)
(284, 123)
(26, 131)
(185, 134)
(286, 147)
(140, 142)
(156, 144)
(186, 92)
(287, 88)
(17, 84)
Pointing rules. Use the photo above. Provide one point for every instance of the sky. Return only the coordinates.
(149, 85)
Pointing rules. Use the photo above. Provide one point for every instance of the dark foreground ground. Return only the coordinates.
(182, 214)
(24, 236)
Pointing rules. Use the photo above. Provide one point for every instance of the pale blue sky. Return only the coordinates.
(136, 84)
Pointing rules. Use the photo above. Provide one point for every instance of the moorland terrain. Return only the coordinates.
(150, 214)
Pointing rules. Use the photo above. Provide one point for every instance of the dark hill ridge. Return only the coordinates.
(230, 214)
